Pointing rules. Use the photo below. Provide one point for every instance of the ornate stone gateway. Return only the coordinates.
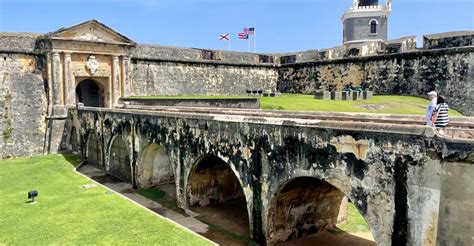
(88, 51)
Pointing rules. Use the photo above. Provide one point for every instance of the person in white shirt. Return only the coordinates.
(432, 96)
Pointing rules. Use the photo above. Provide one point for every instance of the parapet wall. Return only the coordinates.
(169, 53)
(161, 70)
(18, 42)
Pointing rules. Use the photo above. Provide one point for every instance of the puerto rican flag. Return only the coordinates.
(225, 36)
(243, 35)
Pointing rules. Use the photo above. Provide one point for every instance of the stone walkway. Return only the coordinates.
(126, 190)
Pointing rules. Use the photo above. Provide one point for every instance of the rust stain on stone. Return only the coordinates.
(347, 144)
(430, 234)
(28, 63)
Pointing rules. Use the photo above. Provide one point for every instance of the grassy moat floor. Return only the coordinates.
(300, 102)
(65, 213)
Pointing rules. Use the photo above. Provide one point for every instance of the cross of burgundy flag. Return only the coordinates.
(224, 36)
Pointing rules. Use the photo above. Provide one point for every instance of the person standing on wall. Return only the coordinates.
(432, 96)
(440, 116)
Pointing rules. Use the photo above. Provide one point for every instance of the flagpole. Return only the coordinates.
(255, 40)
(248, 39)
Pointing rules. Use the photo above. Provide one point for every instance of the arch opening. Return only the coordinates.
(214, 192)
(354, 52)
(373, 27)
(308, 210)
(119, 162)
(89, 93)
(155, 167)
(94, 151)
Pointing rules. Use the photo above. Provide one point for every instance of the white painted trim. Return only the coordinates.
(365, 13)
(363, 41)
(376, 21)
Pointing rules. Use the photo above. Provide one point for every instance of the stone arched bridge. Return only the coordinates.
(293, 169)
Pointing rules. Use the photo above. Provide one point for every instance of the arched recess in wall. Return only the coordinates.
(94, 151)
(154, 167)
(303, 206)
(73, 140)
(214, 189)
(119, 160)
(90, 93)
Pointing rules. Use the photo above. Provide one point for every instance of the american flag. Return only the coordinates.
(249, 30)
(243, 35)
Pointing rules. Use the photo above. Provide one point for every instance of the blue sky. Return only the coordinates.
(282, 25)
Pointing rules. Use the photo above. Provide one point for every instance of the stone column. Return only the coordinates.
(115, 85)
(125, 79)
(57, 80)
(69, 89)
(50, 78)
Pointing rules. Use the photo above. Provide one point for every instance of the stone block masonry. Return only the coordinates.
(151, 77)
(39, 75)
(22, 105)
(293, 171)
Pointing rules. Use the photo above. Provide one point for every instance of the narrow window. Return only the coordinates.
(373, 27)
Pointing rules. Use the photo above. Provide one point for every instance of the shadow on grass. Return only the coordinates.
(162, 198)
(74, 159)
(246, 240)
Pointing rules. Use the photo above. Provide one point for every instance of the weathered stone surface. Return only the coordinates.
(18, 42)
(377, 169)
(22, 105)
(249, 103)
(451, 72)
(307, 203)
(448, 40)
(170, 78)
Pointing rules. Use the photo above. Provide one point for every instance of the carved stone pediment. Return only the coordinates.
(90, 31)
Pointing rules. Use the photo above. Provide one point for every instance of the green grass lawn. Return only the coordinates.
(65, 213)
(355, 221)
(377, 104)
(300, 102)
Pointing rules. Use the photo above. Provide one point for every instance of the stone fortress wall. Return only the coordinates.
(164, 70)
(23, 101)
(445, 64)
(391, 67)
